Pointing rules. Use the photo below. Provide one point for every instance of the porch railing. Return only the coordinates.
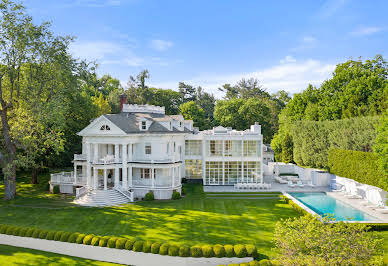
(79, 157)
(80, 191)
(160, 182)
(63, 177)
(126, 193)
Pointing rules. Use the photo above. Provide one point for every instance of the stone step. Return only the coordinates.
(101, 198)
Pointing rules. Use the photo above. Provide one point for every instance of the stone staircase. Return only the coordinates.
(101, 198)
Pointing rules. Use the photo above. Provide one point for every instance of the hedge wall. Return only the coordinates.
(360, 166)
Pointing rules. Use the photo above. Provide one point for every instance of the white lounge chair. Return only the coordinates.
(353, 196)
(300, 184)
(290, 184)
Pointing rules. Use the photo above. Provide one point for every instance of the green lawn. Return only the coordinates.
(191, 220)
(24, 256)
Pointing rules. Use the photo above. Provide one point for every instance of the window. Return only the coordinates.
(232, 172)
(193, 147)
(147, 148)
(214, 148)
(145, 173)
(193, 169)
(213, 173)
(228, 148)
(250, 167)
(180, 124)
(143, 125)
(251, 148)
(174, 146)
(104, 128)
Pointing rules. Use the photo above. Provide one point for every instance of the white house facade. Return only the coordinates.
(142, 149)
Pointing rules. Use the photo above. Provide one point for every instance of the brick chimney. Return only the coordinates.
(123, 100)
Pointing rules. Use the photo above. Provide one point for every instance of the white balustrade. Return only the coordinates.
(80, 191)
(79, 157)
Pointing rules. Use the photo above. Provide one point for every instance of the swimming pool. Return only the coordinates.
(322, 204)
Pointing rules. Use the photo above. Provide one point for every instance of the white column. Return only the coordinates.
(173, 175)
(75, 173)
(242, 160)
(105, 180)
(130, 176)
(204, 155)
(110, 149)
(117, 176)
(125, 170)
(153, 177)
(88, 166)
(95, 159)
(117, 153)
(179, 175)
(95, 177)
(130, 152)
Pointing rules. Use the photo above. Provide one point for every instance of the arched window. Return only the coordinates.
(105, 128)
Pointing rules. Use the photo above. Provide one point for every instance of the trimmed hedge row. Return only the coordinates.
(134, 244)
(263, 262)
(295, 206)
(360, 166)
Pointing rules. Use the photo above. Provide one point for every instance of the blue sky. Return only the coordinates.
(285, 44)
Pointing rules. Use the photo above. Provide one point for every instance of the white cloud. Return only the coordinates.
(95, 50)
(306, 42)
(288, 59)
(291, 76)
(160, 45)
(309, 39)
(362, 31)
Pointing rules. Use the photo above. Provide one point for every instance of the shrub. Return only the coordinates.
(176, 195)
(164, 249)
(254, 263)
(184, 191)
(149, 196)
(138, 246)
(240, 250)
(112, 242)
(88, 239)
(58, 235)
(244, 264)
(56, 189)
(207, 251)
(129, 243)
(219, 251)
(23, 231)
(120, 243)
(196, 251)
(103, 242)
(73, 238)
(50, 235)
(3, 229)
(36, 233)
(47, 187)
(9, 230)
(184, 251)
(43, 234)
(360, 166)
(95, 241)
(147, 246)
(173, 250)
(229, 251)
(251, 250)
(265, 262)
(80, 238)
(155, 247)
(29, 232)
(16, 230)
(65, 237)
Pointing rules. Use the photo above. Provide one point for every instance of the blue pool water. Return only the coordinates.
(322, 204)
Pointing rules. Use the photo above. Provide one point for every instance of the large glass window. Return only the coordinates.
(193, 168)
(193, 147)
(232, 172)
(147, 148)
(213, 173)
(250, 147)
(227, 148)
(214, 148)
(250, 167)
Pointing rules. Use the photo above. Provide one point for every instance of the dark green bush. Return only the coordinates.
(184, 251)
(265, 262)
(23, 231)
(378, 227)
(138, 246)
(73, 238)
(176, 195)
(251, 250)
(16, 230)
(29, 232)
(207, 251)
(164, 249)
(50, 235)
(196, 251)
(95, 241)
(47, 187)
(184, 190)
(155, 247)
(360, 166)
(65, 237)
(240, 250)
(58, 235)
(36, 233)
(229, 251)
(173, 250)
(112, 242)
(43, 234)
(149, 196)
(103, 242)
(9, 230)
(3, 229)
(80, 238)
(147, 246)
(56, 189)
(219, 251)
(129, 243)
(120, 243)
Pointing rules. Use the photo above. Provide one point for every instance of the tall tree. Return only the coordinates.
(191, 111)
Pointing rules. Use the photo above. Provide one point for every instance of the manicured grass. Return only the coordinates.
(191, 220)
(24, 256)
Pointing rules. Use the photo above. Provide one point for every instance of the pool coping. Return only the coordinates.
(307, 209)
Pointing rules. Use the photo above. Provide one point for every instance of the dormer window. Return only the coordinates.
(143, 125)
(104, 128)
(170, 126)
(180, 124)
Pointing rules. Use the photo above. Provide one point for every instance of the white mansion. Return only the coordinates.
(142, 149)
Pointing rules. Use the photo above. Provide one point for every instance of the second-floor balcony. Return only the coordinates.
(79, 157)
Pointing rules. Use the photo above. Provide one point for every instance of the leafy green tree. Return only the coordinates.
(191, 111)
(187, 91)
(307, 240)
(138, 91)
(170, 99)
(102, 105)
(381, 146)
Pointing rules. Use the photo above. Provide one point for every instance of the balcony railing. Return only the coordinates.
(160, 182)
(79, 157)
(166, 159)
(67, 178)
